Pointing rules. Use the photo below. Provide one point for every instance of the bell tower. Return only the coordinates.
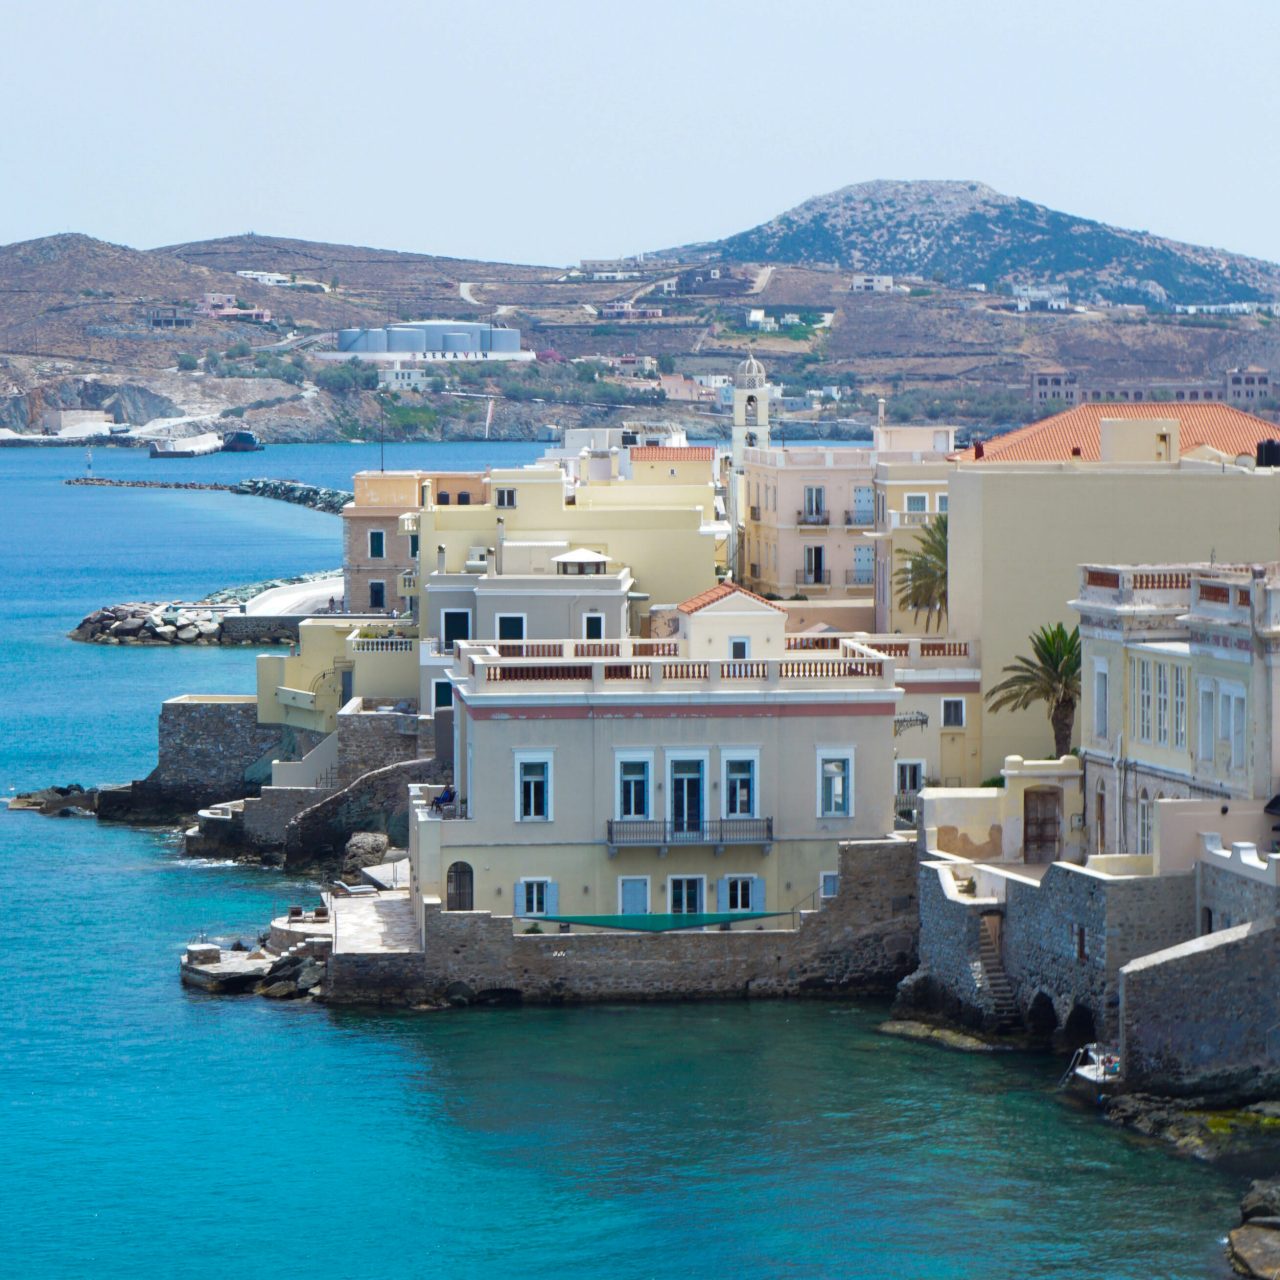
(750, 410)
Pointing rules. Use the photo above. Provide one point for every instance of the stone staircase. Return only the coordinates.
(1003, 1005)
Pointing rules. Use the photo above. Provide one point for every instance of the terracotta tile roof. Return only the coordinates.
(722, 592)
(1220, 426)
(672, 453)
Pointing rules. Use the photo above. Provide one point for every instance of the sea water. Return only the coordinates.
(149, 1131)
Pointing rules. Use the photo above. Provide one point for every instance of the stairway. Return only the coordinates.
(1004, 1006)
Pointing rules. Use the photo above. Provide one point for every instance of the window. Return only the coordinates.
(377, 595)
(1100, 727)
(533, 788)
(413, 546)
(1233, 709)
(740, 788)
(377, 544)
(739, 648)
(1144, 700)
(1180, 708)
(1205, 727)
(442, 694)
(835, 785)
(455, 625)
(1144, 822)
(506, 497)
(942, 504)
(633, 895)
(738, 892)
(633, 788)
(815, 502)
(828, 885)
(593, 626)
(510, 626)
(534, 898)
(1162, 704)
(917, 502)
(953, 713)
(684, 895)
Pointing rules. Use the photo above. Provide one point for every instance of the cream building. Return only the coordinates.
(812, 514)
(712, 766)
(1179, 692)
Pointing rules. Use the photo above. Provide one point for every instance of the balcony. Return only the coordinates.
(813, 577)
(813, 518)
(658, 834)
(909, 519)
(859, 519)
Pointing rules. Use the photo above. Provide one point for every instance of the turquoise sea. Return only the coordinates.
(150, 1132)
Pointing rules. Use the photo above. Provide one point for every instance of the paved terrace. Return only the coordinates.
(378, 923)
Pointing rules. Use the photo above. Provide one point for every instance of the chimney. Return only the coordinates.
(979, 451)
(880, 413)
(440, 558)
(1076, 451)
(502, 537)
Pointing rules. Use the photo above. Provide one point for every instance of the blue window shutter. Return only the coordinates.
(722, 894)
(553, 898)
(517, 899)
(757, 893)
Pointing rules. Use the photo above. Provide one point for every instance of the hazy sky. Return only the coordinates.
(549, 131)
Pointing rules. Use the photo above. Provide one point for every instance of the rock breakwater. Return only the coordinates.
(167, 624)
(317, 497)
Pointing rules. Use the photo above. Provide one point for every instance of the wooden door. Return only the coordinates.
(1040, 824)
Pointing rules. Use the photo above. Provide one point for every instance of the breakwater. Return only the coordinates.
(317, 497)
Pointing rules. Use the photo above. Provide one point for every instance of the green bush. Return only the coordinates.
(186, 362)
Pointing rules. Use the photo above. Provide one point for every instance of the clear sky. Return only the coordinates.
(548, 131)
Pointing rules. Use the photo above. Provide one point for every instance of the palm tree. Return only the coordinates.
(1051, 675)
(922, 581)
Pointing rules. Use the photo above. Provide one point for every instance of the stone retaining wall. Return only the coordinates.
(377, 801)
(1205, 1016)
(948, 980)
(863, 940)
(369, 740)
(1233, 899)
(397, 977)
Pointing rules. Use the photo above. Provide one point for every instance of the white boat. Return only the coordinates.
(187, 446)
(1095, 1069)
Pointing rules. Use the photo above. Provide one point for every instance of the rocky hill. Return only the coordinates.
(965, 232)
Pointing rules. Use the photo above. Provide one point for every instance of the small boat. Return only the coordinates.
(1094, 1069)
(241, 442)
(188, 446)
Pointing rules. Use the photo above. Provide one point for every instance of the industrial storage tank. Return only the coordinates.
(504, 340)
(405, 338)
(372, 340)
(349, 339)
(456, 341)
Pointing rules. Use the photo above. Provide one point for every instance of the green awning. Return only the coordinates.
(638, 923)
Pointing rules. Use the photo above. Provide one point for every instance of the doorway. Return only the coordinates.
(1100, 820)
(460, 888)
(686, 797)
(685, 895)
(1041, 807)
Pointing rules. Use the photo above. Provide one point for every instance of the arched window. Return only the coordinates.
(1144, 822)
(460, 888)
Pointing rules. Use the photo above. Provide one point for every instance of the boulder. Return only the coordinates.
(365, 849)
(187, 634)
(166, 632)
(1262, 1200)
(1255, 1250)
(127, 627)
(279, 990)
(206, 628)
(309, 976)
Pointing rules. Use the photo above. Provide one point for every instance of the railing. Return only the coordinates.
(944, 648)
(814, 578)
(859, 517)
(515, 649)
(656, 649)
(641, 831)
(743, 669)
(830, 669)
(628, 671)
(859, 577)
(567, 671)
(1102, 578)
(1145, 581)
(904, 806)
(813, 517)
(685, 670)
(891, 648)
(596, 649)
(385, 644)
(408, 582)
(813, 642)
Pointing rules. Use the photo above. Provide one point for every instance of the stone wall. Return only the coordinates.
(267, 815)
(949, 979)
(369, 740)
(1121, 919)
(397, 977)
(1233, 899)
(253, 628)
(863, 940)
(377, 801)
(1205, 1016)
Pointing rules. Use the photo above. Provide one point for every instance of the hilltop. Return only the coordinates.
(960, 233)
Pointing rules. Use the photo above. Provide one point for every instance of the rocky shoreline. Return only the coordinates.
(162, 624)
